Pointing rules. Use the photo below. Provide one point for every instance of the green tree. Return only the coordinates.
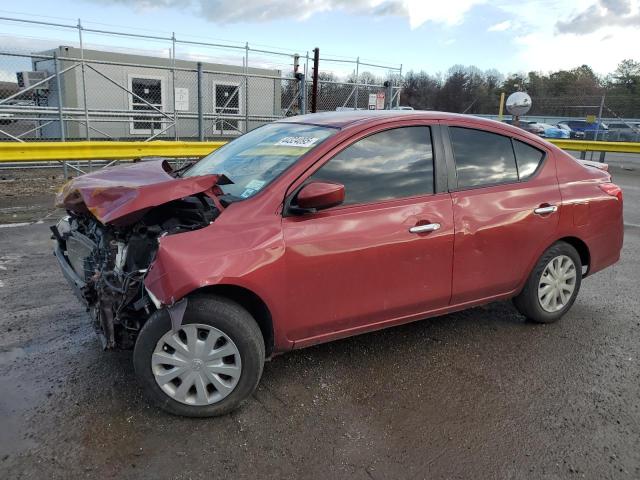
(627, 75)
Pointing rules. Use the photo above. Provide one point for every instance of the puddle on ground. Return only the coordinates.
(7, 356)
(15, 401)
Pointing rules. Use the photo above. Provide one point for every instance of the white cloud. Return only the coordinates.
(451, 12)
(500, 27)
(546, 35)
(418, 12)
(601, 50)
(561, 37)
(621, 13)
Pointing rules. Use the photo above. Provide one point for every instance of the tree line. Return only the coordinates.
(576, 92)
(467, 89)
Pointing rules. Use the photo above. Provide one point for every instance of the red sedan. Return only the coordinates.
(323, 226)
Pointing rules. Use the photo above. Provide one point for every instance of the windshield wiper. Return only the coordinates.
(228, 199)
(178, 171)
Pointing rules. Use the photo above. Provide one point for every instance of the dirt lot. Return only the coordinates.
(478, 394)
(27, 195)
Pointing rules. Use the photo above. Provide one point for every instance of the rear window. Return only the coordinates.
(528, 159)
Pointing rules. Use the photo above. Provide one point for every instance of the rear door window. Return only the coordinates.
(482, 158)
(395, 163)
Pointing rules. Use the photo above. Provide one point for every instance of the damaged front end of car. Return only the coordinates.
(109, 239)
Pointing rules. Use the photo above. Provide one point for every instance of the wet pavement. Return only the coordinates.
(477, 394)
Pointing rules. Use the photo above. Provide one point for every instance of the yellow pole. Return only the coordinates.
(501, 106)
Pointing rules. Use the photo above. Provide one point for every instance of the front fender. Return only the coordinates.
(218, 254)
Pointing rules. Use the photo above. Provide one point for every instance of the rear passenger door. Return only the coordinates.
(364, 264)
(505, 195)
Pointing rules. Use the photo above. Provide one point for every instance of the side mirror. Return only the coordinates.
(318, 196)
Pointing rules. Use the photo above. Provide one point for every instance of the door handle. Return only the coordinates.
(547, 209)
(430, 227)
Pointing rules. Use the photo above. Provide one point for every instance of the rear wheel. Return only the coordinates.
(208, 366)
(552, 286)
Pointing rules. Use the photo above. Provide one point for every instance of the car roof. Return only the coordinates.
(361, 117)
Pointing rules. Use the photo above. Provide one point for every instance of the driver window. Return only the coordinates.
(395, 163)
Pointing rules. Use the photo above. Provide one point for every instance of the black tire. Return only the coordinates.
(228, 317)
(527, 301)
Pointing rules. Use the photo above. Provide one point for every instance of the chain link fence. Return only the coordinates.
(54, 87)
(612, 118)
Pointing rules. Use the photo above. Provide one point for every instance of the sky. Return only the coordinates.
(431, 35)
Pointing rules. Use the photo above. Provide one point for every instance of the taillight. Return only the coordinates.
(611, 189)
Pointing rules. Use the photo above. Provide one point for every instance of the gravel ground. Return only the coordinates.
(477, 394)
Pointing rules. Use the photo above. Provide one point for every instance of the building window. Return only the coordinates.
(227, 100)
(146, 89)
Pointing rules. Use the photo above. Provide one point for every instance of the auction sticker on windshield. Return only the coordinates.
(304, 142)
(255, 184)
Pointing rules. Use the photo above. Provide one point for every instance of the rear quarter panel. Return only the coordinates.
(588, 213)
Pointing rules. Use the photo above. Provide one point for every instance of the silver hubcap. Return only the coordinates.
(557, 283)
(197, 365)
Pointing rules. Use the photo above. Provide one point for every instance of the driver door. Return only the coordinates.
(363, 265)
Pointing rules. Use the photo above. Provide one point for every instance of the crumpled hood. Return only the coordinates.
(122, 195)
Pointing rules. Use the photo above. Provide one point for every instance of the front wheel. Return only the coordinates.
(552, 286)
(206, 367)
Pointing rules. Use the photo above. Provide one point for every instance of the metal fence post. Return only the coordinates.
(357, 81)
(84, 84)
(305, 84)
(599, 117)
(200, 114)
(173, 83)
(303, 94)
(389, 94)
(59, 93)
(314, 85)
(246, 88)
(60, 107)
(399, 86)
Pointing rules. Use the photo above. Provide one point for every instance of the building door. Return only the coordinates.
(147, 94)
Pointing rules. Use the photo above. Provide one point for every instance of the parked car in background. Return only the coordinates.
(592, 131)
(550, 131)
(527, 126)
(578, 135)
(324, 226)
(623, 132)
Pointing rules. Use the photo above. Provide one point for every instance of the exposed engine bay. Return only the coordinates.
(106, 264)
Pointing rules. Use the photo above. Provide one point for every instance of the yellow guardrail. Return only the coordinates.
(106, 150)
(596, 146)
(102, 150)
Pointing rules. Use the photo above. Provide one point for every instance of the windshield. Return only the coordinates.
(258, 157)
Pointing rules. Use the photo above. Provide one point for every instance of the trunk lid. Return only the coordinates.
(600, 166)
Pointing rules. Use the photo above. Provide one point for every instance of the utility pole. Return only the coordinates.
(314, 86)
(501, 108)
(200, 112)
(388, 97)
